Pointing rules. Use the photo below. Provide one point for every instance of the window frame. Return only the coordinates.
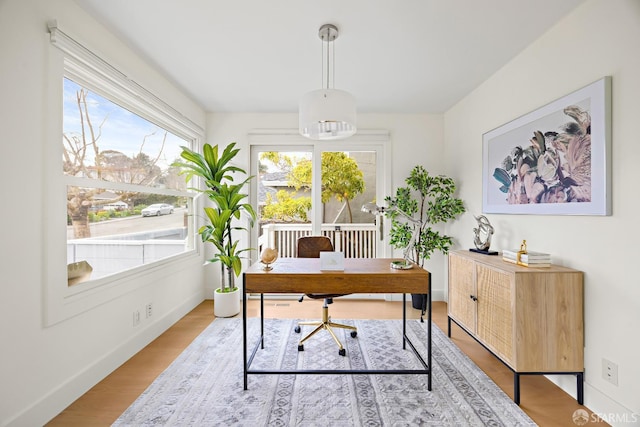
(70, 59)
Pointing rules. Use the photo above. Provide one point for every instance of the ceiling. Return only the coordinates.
(403, 56)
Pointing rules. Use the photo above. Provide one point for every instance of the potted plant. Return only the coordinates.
(428, 200)
(215, 170)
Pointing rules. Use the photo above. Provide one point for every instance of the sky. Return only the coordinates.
(122, 130)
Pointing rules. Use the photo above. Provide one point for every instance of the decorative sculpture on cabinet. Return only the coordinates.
(482, 234)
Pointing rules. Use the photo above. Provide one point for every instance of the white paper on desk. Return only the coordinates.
(331, 261)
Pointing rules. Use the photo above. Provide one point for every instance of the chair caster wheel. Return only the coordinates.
(354, 334)
(342, 352)
(297, 329)
(301, 347)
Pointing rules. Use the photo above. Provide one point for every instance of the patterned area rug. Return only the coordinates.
(204, 385)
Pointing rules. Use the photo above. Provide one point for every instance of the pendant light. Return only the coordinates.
(327, 113)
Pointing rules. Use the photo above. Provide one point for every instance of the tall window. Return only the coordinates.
(118, 217)
(126, 204)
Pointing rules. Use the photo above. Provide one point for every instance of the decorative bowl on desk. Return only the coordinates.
(268, 257)
(401, 265)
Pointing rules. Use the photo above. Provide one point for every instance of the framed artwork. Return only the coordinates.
(554, 160)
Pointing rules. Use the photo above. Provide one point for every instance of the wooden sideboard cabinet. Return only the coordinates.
(530, 318)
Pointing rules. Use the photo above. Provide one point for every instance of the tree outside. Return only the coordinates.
(342, 181)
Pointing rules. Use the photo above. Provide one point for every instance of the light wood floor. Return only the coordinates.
(544, 402)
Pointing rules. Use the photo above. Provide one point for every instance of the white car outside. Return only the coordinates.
(157, 209)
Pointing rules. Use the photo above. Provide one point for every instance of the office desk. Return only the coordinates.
(360, 275)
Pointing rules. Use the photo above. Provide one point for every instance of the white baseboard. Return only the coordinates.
(54, 402)
(606, 410)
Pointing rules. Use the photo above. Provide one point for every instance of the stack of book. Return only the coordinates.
(528, 259)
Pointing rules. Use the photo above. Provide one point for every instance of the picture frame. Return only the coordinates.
(554, 160)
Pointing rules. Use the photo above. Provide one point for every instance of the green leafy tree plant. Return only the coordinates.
(429, 199)
(216, 172)
(286, 208)
(342, 179)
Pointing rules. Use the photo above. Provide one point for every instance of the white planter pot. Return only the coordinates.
(226, 304)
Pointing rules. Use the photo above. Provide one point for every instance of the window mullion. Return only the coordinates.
(121, 186)
(316, 190)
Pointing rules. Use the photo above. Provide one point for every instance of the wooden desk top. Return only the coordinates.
(360, 275)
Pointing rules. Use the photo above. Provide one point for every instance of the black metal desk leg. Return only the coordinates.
(516, 388)
(580, 388)
(429, 337)
(262, 321)
(244, 330)
(404, 321)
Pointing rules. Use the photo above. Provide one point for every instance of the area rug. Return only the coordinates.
(204, 385)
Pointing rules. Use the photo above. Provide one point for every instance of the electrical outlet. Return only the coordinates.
(610, 371)
(149, 310)
(136, 317)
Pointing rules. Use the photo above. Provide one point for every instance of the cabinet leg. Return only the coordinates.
(449, 326)
(580, 387)
(516, 388)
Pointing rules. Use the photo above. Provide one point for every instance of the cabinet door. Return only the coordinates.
(495, 312)
(462, 291)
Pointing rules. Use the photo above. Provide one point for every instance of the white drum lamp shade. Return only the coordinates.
(327, 114)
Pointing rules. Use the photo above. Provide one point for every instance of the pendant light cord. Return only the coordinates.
(331, 62)
(328, 62)
(322, 62)
(333, 66)
(328, 48)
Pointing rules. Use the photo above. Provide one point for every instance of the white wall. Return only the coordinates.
(44, 369)
(414, 138)
(600, 38)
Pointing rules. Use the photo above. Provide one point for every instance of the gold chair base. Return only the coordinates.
(327, 324)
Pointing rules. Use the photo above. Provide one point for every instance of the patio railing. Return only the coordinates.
(354, 240)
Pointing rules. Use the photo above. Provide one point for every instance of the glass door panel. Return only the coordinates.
(282, 196)
(349, 181)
